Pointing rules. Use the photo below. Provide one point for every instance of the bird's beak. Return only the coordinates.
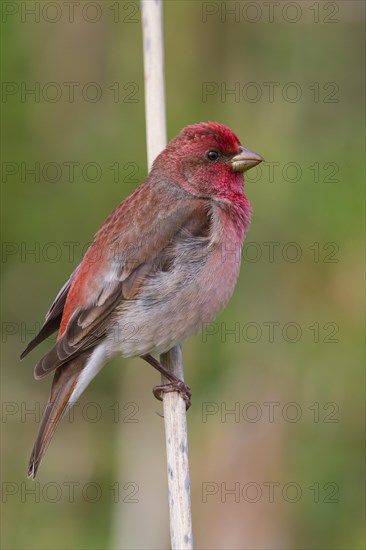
(245, 160)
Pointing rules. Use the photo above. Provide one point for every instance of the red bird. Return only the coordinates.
(163, 264)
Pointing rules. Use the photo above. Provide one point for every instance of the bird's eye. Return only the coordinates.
(212, 155)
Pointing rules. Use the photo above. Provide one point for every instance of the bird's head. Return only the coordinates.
(208, 160)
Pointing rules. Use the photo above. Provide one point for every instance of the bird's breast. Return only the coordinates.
(175, 303)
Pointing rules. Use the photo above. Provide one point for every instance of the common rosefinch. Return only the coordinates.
(163, 264)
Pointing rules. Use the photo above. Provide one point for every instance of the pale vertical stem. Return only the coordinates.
(152, 27)
(175, 419)
(176, 437)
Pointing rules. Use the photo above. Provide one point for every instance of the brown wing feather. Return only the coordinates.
(53, 317)
(88, 326)
(64, 382)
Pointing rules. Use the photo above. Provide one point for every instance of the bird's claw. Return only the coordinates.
(179, 386)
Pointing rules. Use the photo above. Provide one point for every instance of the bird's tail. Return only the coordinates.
(69, 381)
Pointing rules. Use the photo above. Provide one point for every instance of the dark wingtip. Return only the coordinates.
(23, 354)
(32, 344)
(32, 466)
(31, 471)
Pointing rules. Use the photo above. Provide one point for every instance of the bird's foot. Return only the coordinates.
(176, 385)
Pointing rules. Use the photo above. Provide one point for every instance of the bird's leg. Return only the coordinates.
(175, 383)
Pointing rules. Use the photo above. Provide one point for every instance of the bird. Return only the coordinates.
(163, 264)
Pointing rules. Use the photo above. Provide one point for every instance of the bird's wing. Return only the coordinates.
(115, 276)
(53, 316)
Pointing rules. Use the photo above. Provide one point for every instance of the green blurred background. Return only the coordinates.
(285, 470)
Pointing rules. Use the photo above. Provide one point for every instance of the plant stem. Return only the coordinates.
(175, 419)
